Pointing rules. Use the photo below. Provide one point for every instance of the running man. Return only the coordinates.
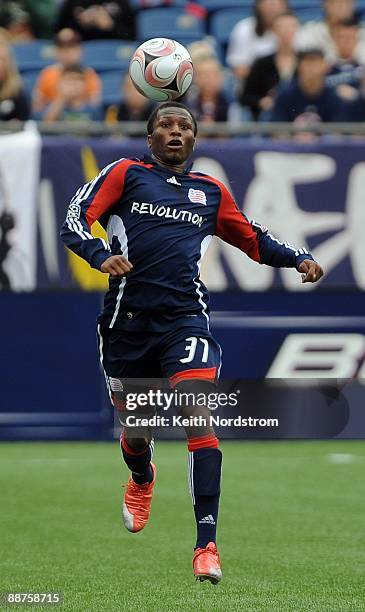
(159, 218)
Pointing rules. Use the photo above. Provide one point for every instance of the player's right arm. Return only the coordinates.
(89, 203)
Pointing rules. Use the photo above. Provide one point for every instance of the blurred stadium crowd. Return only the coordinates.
(65, 60)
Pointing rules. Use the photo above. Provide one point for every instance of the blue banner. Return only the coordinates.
(308, 194)
(52, 386)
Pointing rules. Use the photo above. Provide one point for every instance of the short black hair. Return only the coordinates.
(153, 116)
(351, 22)
(310, 52)
(260, 24)
(74, 68)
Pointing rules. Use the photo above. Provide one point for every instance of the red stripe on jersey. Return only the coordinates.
(111, 190)
(198, 373)
(232, 225)
(208, 441)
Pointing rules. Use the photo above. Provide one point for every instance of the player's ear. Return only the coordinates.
(149, 140)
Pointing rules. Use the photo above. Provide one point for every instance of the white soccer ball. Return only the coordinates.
(161, 69)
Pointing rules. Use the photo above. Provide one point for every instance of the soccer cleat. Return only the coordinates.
(137, 503)
(207, 564)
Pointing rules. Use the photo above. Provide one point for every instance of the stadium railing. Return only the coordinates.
(138, 128)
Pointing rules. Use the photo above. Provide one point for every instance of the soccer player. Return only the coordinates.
(160, 217)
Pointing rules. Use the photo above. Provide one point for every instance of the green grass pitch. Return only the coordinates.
(291, 532)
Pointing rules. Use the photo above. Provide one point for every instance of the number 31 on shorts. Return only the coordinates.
(191, 347)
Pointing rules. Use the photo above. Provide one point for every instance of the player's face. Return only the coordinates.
(172, 140)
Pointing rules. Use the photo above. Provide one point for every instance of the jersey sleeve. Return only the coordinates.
(88, 204)
(254, 239)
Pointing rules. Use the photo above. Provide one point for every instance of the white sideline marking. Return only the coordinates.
(341, 458)
(41, 460)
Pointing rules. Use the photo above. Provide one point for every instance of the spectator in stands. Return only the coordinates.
(201, 49)
(308, 100)
(28, 19)
(42, 14)
(72, 102)
(267, 72)
(346, 74)
(252, 37)
(68, 50)
(320, 34)
(357, 106)
(95, 19)
(16, 20)
(133, 106)
(206, 98)
(14, 103)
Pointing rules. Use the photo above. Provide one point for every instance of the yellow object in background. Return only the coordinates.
(88, 278)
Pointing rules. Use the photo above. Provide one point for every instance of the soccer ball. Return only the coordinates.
(161, 69)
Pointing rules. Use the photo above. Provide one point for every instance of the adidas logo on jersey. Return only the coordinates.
(208, 519)
(173, 181)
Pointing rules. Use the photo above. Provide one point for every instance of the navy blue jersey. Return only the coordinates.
(292, 102)
(163, 223)
(345, 73)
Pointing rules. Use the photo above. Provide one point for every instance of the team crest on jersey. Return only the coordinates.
(197, 196)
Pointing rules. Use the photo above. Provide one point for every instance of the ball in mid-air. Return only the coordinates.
(161, 69)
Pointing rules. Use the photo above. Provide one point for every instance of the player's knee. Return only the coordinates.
(191, 389)
(193, 407)
(137, 444)
(194, 397)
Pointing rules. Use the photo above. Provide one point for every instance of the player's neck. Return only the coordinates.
(178, 169)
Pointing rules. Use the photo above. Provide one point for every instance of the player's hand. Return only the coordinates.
(116, 265)
(311, 271)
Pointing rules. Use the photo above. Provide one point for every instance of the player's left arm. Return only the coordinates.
(256, 241)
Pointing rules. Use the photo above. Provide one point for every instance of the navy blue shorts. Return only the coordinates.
(183, 352)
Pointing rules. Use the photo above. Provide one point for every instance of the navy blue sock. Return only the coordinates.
(139, 463)
(204, 482)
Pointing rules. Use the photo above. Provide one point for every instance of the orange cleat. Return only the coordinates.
(207, 564)
(137, 503)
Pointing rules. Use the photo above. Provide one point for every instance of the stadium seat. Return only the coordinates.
(230, 85)
(215, 5)
(309, 13)
(222, 22)
(142, 5)
(33, 55)
(111, 86)
(304, 4)
(171, 22)
(108, 54)
(29, 79)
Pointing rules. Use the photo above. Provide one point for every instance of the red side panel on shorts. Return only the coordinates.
(197, 374)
